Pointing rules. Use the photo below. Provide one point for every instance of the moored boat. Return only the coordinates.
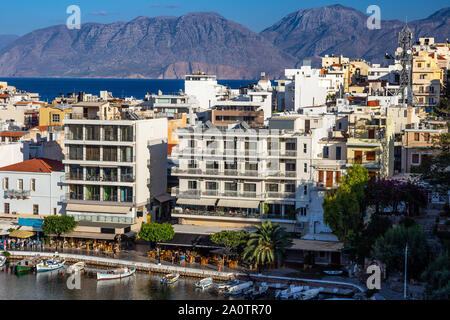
(50, 265)
(257, 291)
(204, 283)
(289, 293)
(26, 265)
(170, 278)
(239, 289)
(116, 274)
(308, 294)
(226, 285)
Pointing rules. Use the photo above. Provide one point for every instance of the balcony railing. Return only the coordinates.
(231, 214)
(289, 153)
(186, 193)
(18, 194)
(97, 198)
(280, 195)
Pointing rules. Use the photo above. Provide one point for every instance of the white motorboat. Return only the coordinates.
(308, 294)
(50, 265)
(116, 274)
(257, 291)
(2, 261)
(239, 289)
(204, 283)
(170, 278)
(77, 267)
(226, 285)
(289, 293)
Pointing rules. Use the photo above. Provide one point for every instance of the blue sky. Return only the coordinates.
(22, 16)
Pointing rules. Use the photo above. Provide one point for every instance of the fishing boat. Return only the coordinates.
(50, 265)
(2, 261)
(239, 289)
(26, 265)
(204, 283)
(77, 267)
(226, 285)
(170, 278)
(116, 274)
(257, 291)
(289, 293)
(308, 294)
(333, 272)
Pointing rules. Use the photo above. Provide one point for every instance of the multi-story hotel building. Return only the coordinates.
(240, 177)
(115, 164)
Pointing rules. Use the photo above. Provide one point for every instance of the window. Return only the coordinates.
(305, 190)
(305, 148)
(405, 113)
(427, 137)
(415, 158)
(290, 167)
(109, 153)
(35, 209)
(192, 185)
(5, 183)
(271, 187)
(338, 153)
(6, 208)
(55, 117)
(250, 187)
(20, 184)
(320, 176)
(325, 152)
(289, 187)
(370, 155)
(305, 167)
(54, 211)
(76, 152)
(230, 186)
(302, 211)
(110, 133)
(416, 136)
(211, 185)
(33, 184)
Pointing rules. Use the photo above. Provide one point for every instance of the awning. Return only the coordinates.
(316, 245)
(238, 204)
(30, 222)
(97, 208)
(197, 202)
(164, 197)
(191, 240)
(89, 235)
(22, 234)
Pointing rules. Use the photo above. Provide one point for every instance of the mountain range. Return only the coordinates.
(170, 47)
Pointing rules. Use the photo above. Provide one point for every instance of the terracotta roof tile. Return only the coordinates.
(35, 165)
(12, 134)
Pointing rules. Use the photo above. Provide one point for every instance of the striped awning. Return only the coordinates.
(97, 208)
(22, 234)
(249, 204)
(197, 202)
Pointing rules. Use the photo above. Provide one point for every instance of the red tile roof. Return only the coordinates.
(12, 134)
(23, 102)
(35, 165)
(43, 128)
(4, 95)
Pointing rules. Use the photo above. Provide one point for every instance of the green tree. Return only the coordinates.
(58, 225)
(376, 228)
(437, 279)
(156, 232)
(344, 208)
(230, 239)
(267, 245)
(390, 249)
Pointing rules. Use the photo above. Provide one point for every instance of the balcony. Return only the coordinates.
(97, 198)
(17, 194)
(280, 195)
(188, 194)
(227, 214)
(289, 153)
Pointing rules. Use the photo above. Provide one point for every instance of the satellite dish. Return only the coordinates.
(409, 51)
(400, 50)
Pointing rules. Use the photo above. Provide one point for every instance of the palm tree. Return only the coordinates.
(267, 245)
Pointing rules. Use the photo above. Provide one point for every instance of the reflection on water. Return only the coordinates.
(141, 286)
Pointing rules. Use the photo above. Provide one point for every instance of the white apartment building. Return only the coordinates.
(170, 104)
(13, 152)
(388, 73)
(115, 164)
(240, 177)
(306, 88)
(204, 88)
(32, 188)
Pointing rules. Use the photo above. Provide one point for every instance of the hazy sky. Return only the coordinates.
(22, 16)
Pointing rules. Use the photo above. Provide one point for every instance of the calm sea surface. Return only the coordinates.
(51, 88)
(142, 286)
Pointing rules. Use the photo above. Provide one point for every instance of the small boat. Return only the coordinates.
(204, 283)
(333, 272)
(170, 278)
(289, 293)
(50, 265)
(77, 267)
(308, 294)
(116, 274)
(257, 291)
(226, 285)
(2, 261)
(26, 265)
(239, 289)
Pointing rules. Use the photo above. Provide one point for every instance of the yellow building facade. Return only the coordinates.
(428, 78)
(52, 115)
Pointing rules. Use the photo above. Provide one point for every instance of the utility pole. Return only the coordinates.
(406, 268)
